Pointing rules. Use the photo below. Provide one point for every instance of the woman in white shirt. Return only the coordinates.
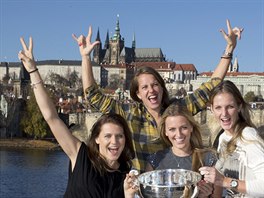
(240, 168)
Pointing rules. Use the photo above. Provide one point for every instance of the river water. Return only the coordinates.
(27, 173)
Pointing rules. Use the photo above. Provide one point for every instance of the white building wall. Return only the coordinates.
(46, 70)
(13, 72)
(245, 84)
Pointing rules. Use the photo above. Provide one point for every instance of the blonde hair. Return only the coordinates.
(180, 110)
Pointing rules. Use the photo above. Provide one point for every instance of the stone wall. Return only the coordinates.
(210, 127)
(81, 130)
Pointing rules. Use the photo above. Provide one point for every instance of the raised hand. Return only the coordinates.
(26, 55)
(84, 43)
(233, 34)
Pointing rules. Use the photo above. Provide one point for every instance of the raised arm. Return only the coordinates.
(197, 101)
(86, 47)
(67, 141)
(231, 40)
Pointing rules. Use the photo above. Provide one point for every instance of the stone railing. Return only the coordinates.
(209, 126)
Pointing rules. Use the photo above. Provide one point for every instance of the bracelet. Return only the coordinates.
(34, 70)
(227, 57)
(33, 85)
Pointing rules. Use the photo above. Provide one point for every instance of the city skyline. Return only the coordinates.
(186, 31)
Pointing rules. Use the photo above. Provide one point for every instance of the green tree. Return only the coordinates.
(74, 80)
(6, 78)
(250, 96)
(32, 122)
(57, 79)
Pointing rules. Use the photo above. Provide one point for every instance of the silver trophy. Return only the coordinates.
(168, 183)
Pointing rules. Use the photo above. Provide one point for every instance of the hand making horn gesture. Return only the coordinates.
(232, 34)
(84, 43)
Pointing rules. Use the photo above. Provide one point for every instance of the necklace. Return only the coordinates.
(177, 160)
(180, 159)
(181, 162)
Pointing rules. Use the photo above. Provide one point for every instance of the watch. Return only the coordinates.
(233, 183)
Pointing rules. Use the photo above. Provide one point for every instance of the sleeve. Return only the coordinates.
(197, 101)
(255, 162)
(102, 102)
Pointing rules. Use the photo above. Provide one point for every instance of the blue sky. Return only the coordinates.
(187, 31)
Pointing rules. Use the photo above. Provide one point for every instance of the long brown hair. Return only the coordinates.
(127, 154)
(134, 85)
(244, 118)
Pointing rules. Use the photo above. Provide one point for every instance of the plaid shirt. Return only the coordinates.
(145, 134)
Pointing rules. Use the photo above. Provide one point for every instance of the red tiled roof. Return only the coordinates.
(159, 66)
(185, 67)
(235, 74)
(117, 66)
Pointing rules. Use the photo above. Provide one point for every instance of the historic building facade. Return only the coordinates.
(112, 59)
(115, 52)
(245, 81)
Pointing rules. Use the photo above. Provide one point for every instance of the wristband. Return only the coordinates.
(227, 55)
(33, 85)
(34, 70)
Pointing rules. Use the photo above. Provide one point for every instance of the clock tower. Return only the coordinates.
(116, 45)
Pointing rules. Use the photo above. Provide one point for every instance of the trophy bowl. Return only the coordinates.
(168, 183)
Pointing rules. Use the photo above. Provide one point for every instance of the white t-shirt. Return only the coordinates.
(245, 163)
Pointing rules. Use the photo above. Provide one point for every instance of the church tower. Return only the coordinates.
(230, 67)
(106, 45)
(116, 44)
(235, 65)
(97, 49)
(134, 41)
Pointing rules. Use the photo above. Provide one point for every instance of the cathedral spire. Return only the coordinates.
(106, 45)
(98, 35)
(97, 49)
(117, 29)
(134, 41)
(235, 65)
(117, 35)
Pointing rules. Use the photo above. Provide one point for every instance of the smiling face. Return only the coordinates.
(150, 92)
(226, 111)
(178, 130)
(111, 142)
